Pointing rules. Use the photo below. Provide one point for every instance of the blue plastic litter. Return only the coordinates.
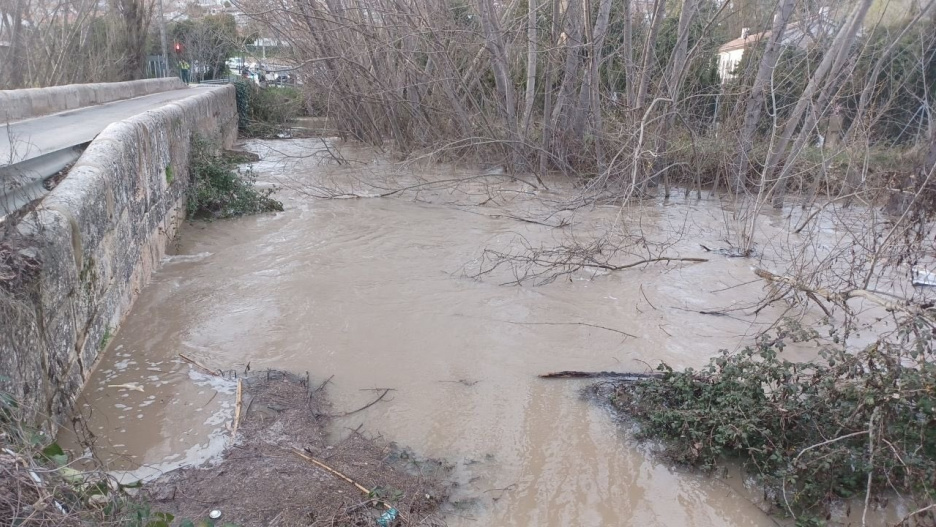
(387, 518)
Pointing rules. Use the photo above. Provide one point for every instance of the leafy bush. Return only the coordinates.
(841, 426)
(219, 190)
(266, 112)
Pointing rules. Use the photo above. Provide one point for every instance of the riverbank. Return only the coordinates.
(282, 469)
(279, 467)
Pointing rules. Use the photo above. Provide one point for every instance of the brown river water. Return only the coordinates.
(379, 293)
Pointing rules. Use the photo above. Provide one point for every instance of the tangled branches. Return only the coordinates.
(543, 265)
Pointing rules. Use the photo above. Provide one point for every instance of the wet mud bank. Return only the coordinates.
(280, 468)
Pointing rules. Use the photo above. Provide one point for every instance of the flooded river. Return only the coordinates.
(382, 293)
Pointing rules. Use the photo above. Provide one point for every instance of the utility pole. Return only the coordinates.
(162, 38)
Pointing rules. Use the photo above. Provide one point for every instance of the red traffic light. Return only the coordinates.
(178, 47)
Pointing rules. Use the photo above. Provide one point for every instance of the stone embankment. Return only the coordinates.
(96, 238)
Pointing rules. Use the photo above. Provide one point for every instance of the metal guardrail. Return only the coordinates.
(23, 182)
(216, 82)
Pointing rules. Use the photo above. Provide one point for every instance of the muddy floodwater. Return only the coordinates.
(383, 293)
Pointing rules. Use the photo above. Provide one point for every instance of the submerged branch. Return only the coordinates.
(620, 376)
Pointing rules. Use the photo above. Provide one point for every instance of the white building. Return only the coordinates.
(731, 53)
(802, 34)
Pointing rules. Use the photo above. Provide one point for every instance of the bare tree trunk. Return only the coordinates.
(135, 17)
(495, 46)
(929, 163)
(673, 83)
(12, 24)
(573, 40)
(628, 52)
(755, 99)
(659, 12)
(596, 39)
(530, 95)
(548, 90)
(832, 62)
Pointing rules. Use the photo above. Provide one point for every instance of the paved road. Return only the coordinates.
(34, 149)
(41, 135)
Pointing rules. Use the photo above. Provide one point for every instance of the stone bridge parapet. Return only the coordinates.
(16, 105)
(98, 237)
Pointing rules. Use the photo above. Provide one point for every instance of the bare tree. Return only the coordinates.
(71, 41)
(618, 94)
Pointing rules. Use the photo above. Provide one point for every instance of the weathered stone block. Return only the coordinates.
(83, 201)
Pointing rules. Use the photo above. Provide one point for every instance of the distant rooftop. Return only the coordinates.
(743, 42)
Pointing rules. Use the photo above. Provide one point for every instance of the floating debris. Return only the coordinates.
(127, 386)
(731, 252)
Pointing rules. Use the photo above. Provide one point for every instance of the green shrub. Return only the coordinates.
(219, 190)
(813, 431)
(266, 112)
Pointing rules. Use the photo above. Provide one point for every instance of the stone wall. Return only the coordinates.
(97, 237)
(16, 105)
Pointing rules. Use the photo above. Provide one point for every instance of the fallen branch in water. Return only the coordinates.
(127, 386)
(647, 261)
(623, 376)
(543, 265)
(322, 386)
(200, 366)
(586, 324)
(366, 406)
(562, 222)
(335, 193)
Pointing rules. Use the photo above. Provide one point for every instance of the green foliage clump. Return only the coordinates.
(219, 190)
(902, 84)
(266, 111)
(841, 426)
(242, 97)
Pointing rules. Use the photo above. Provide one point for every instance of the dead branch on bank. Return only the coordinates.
(332, 471)
(200, 366)
(366, 406)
